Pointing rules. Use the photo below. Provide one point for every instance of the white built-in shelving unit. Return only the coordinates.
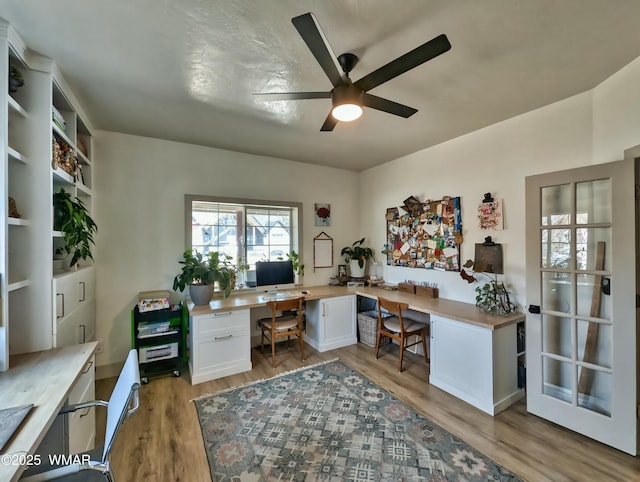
(35, 313)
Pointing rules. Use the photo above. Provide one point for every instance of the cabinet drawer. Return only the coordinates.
(82, 423)
(76, 328)
(225, 348)
(83, 390)
(209, 324)
(72, 291)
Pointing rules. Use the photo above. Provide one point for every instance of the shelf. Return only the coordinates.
(62, 135)
(82, 158)
(155, 335)
(16, 285)
(15, 155)
(62, 177)
(84, 189)
(18, 222)
(16, 107)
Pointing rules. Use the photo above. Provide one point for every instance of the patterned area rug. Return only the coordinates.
(328, 423)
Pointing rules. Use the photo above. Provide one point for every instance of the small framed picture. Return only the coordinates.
(342, 270)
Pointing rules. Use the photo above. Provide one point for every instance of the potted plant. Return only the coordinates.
(357, 255)
(200, 273)
(493, 296)
(70, 215)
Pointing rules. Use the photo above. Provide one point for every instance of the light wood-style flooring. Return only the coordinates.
(162, 441)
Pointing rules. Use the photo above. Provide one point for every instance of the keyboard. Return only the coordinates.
(284, 295)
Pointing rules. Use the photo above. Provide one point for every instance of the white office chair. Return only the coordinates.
(124, 401)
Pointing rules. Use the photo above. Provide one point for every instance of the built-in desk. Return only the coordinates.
(474, 355)
(45, 379)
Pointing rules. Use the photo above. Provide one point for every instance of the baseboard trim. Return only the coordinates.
(108, 371)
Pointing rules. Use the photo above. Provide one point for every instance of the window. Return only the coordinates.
(248, 230)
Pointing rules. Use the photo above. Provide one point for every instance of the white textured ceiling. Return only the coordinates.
(185, 70)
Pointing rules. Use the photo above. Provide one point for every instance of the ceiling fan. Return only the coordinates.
(349, 97)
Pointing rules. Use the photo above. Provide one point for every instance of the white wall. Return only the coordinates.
(593, 127)
(139, 198)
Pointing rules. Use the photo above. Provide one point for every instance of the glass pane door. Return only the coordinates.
(581, 283)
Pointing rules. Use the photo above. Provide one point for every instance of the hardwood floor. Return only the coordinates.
(162, 441)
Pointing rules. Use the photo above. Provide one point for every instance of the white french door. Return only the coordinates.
(581, 290)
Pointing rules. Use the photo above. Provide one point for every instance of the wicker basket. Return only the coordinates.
(368, 328)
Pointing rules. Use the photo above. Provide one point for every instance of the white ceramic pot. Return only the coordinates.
(356, 270)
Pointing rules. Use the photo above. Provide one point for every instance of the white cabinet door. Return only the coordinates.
(477, 365)
(331, 322)
(581, 227)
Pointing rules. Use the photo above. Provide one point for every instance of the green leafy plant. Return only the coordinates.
(493, 296)
(204, 270)
(72, 218)
(298, 266)
(357, 252)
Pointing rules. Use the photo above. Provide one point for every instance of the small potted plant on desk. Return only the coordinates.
(201, 273)
(357, 255)
(71, 216)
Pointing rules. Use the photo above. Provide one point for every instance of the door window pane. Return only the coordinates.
(587, 243)
(556, 335)
(557, 379)
(595, 395)
(556, 248)
(556, 292)
(587, 290)
(556, 205)
(593, 202)
(600, 337)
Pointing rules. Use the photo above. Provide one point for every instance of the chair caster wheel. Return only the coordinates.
(144, 380)
(176, 373)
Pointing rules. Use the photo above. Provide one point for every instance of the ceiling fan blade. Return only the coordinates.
(329, 123)
(292, 95)
(310, 31)
(408, 61)
(389, 106)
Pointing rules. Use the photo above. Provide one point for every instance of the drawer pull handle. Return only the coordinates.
(88, 367)
(226, 313)
(61, 306)
(223, 337)
(83, 290)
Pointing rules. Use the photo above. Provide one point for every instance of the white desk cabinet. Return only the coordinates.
(220, 344)
(478, 365)
(331, 322)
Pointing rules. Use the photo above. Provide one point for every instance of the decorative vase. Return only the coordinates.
(201, 294)
(355, 269)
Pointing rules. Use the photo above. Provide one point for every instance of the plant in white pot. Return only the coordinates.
(70, 215)
(200, 274)
(357, 255)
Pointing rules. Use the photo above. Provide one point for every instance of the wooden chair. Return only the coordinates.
(400, 327)
(286, 324)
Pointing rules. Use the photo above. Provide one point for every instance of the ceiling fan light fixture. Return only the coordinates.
(347, 103)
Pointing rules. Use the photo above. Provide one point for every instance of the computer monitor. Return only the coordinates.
(273, 276)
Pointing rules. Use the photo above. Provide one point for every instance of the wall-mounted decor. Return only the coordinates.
(322, 251)
(322, 214)
(425, 234)
(490, 213)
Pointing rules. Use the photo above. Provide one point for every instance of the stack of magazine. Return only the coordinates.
(58, 119)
